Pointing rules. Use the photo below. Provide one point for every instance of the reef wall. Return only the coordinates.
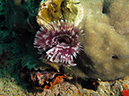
(105, 53)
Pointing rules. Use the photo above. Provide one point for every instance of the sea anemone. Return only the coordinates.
(59, 41)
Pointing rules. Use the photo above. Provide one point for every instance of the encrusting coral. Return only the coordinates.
(54, 10)
(103, 42)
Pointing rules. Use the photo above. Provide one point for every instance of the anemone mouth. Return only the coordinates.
(64, 39)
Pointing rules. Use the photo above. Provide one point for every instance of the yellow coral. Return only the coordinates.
(49, 11)
(54, 10)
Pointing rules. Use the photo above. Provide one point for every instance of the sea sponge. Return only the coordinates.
(104, 42)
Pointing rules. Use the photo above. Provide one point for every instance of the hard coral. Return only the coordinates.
(107, 50)
(54, 10)
(49, 11)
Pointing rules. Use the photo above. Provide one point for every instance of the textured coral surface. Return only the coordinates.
(106, 39)
(105, 43)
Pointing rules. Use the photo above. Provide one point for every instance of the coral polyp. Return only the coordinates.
(59, 41)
